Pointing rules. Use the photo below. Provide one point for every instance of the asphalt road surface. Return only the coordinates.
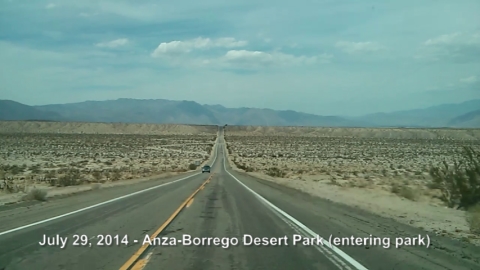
(226, 205)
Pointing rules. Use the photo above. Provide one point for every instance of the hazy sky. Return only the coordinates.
(334, 57)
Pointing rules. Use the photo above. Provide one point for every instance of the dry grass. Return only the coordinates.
(34, 158)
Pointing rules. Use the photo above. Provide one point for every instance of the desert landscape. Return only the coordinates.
(385, 171)
(40, 159)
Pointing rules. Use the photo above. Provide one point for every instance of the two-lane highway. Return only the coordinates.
(133, 217)
(226, 205)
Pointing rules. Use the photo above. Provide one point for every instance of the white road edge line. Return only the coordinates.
(340, 253)
(106, 202)
(332, 258)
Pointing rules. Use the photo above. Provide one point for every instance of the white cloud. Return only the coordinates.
(252, 59)
(85, 14)
(359, 47)
(180, 47)
(50, 6)
(455, 39)
(458, 46)
(113, 43)
(469, 80)
(177, 54)
(441, 40)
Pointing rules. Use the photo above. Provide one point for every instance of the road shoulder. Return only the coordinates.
(329, 217)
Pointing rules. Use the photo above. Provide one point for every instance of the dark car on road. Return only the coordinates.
(206, 168)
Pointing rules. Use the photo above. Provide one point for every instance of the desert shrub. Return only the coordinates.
(71, 177)
(75, 174)
(395, 189)
(36, 194)
(334, 182)
(409, 193)
(240, 166)
(116, 175)
(50, 175)
(64, 181)
(97, 175)
(244, 167)
(460, 183)
(8, 186)
(192, 166)
(473, 219)
(228, 148)
(35, 169)
(62, 170)
(275, 172)
(16, 170)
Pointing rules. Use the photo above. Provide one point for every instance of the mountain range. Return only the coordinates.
(461, 115)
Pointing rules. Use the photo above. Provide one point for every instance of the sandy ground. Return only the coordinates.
(82, 156)
(61, 191)
(361, 168)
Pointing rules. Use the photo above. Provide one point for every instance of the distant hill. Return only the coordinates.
(12, 110)
(162, 111)
(436, 116)
(134, 111)
(471, 119)
(269, 117)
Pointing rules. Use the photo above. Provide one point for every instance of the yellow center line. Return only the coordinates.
(142, 262)
(190, 202)
(134, 259)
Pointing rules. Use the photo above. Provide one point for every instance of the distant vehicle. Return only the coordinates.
(206, 168)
